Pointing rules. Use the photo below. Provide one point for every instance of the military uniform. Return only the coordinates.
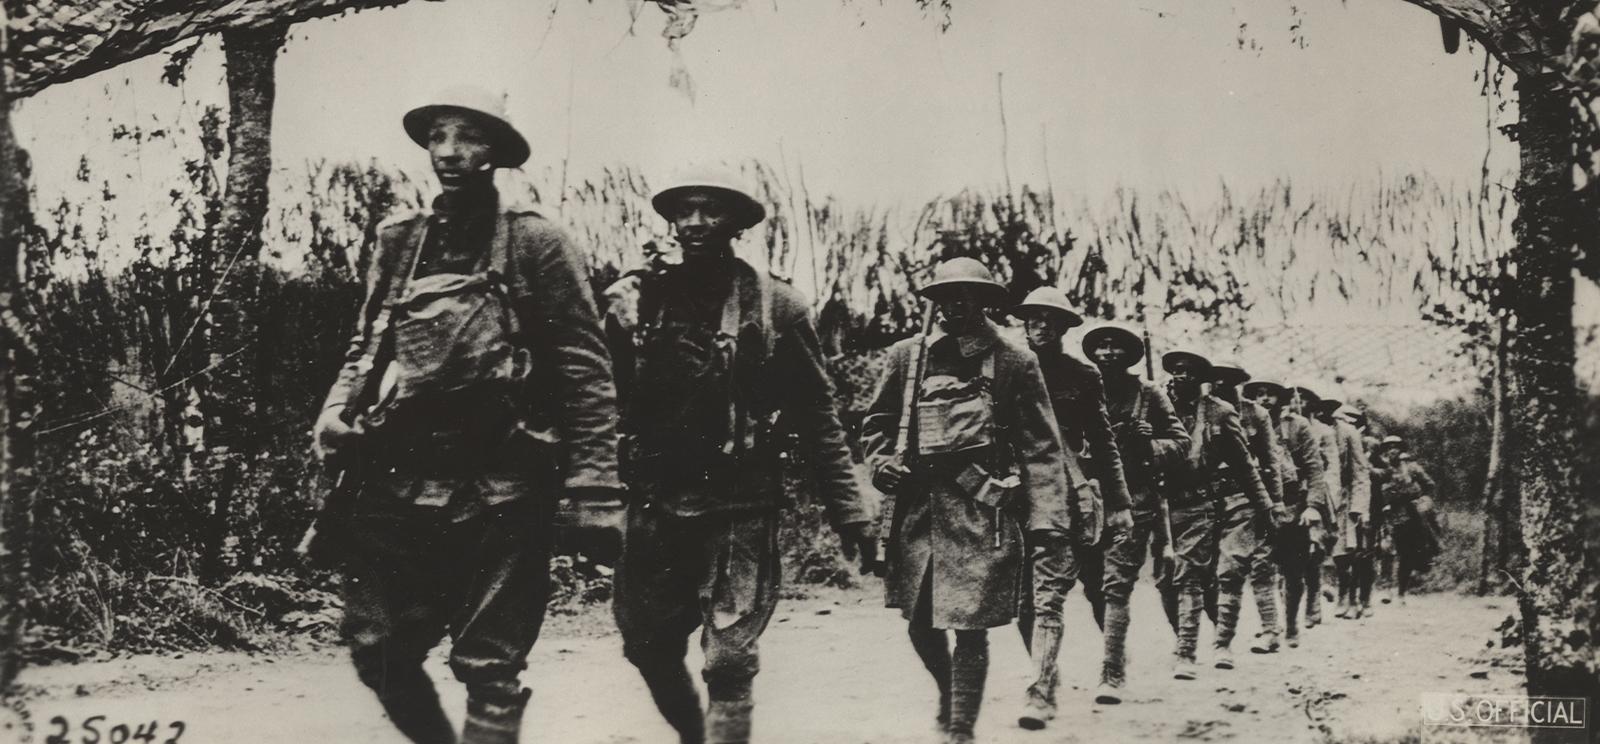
(955, 557)
(1408, 496)
(1297, 552)
(725, 363)
(450, 531)
(1246, 544)
(1146, 459)
(1351, 549)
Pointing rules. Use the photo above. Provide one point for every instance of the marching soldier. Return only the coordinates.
(1408, 498)
(723, 366)
(961, 432)
(1254, 565)
(1298, 555)
(1217, 478)
(1355, 496)
(478, 345)
(1152, 440)
(1323, 532)
(1078, 397)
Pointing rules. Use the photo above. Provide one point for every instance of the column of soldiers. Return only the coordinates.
(481, 386)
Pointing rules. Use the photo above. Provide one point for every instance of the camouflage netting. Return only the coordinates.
(54, 41)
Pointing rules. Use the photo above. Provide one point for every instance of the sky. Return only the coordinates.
(870, 98)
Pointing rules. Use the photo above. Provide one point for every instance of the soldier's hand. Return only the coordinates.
(857, 539)
(1310, 517)
(332, 433)
(1120, 520)
(1143, 429)
(890, 476)
(1280, 516)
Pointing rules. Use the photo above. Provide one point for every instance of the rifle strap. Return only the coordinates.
(909, 394)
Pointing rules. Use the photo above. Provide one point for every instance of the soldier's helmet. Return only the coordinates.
(1229, 372)
(1048, 301)
(507, 147)
(1118, 334)
(1390, 442)
(1172, 357)
(716, 180)
(1254, 389)
(967, 273)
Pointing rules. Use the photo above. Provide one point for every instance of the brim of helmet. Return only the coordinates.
(749, 211)
(1170, 357)
(1025, 309)
(991, 294)
(1229, 375)
(508, 149)
(1122, 337)
(1259, 386)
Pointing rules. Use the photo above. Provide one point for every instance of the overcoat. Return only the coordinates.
(966, 554)
(1355, 487)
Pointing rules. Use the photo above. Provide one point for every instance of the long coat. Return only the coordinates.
(1355, 486)
(940, 535)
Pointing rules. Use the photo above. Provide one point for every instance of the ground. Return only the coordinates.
(836, 668)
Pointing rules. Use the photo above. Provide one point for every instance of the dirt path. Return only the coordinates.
(837, 669)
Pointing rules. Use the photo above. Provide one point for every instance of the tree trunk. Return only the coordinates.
(1544, 402)
(1502, 508)
(16, 401)
(229, 400)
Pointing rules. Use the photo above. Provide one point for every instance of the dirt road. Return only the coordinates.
(836, 668)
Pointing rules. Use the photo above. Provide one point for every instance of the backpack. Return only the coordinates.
(455, 375)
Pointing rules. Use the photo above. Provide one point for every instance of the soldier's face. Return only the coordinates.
(959, 309)
(1043, 331)
(460, 151)
(1108, 354)
(705, 224)
(1270, 400)
(1186, 374)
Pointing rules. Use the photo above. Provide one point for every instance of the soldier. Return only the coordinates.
(1152, 440)
(478, 345)
(1217, 478)
(1322, 533)
(961, 431)
(1078, 397)
(1408, 497)
(1355, 496)
(724, 365)
(1235, 564)
(1298, 555)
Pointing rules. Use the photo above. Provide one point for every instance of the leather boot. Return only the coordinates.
(728, 721)
(1114, 664)
(676, 698)
(418, 715)
(1042, 693)
(969, 670)
(494, 721)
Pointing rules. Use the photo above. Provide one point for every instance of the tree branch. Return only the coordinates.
(1509, 30)
(54, 41)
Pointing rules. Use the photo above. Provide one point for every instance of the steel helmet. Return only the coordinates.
(1173, 356)
(507, 147)
(969, 273)
(1116, 333)
(720, 181)
(1229, 372)
(1254, 389)
(1050, 301)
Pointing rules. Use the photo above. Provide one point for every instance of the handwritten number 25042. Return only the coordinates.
(118, 734)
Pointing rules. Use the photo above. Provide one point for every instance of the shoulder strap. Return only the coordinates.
(910, 391)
